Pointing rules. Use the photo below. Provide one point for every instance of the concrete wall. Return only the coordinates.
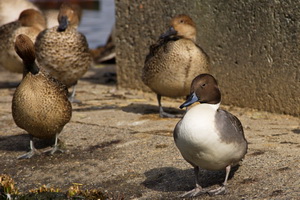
(254, 46)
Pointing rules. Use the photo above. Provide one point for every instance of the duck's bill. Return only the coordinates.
(191, 99)
(63, 23)
(170, 31)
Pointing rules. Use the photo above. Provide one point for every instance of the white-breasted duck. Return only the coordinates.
(207, 136)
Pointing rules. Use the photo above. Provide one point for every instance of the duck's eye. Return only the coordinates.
(203, 85)
(181, 21)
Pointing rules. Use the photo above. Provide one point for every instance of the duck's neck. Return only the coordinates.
(32, 68)
(215, 106)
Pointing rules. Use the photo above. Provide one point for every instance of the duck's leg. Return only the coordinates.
(162, 113)
(33, 150)
(72, 96)
(55, 147)
(222, 189)
(198, 190)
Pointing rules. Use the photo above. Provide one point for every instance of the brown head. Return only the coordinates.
(25, 49)
(204, 89)
(69, 15)
(32, 18)
(182, 25)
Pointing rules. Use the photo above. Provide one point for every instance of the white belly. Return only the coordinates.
(200, 143)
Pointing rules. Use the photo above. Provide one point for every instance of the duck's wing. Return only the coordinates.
(161, 43)
(229, 127)
(204, 53)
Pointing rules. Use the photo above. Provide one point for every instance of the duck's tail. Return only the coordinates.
(25, 49)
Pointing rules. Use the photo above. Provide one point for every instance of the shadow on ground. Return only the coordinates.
(103, 75)
(21, 143)
(7, 85)
(149, 109)
(94, 108)
(297, 131)
(169, 179)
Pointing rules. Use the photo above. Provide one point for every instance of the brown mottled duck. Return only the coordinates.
(40, 103)
(31, 22)
(62, 50)
(174, 60)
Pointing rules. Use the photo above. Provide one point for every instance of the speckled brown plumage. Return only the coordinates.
(40, 104)
(31, 22)
(64, 53)
(174, 60)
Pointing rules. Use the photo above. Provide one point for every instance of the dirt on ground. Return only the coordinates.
(116, 143)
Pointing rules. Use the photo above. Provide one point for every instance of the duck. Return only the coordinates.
(209, 137)
(10, 10)
(30, 22)
(174, 60)
(62, 50)
(51, 15)
(40, 103)
(106, 53)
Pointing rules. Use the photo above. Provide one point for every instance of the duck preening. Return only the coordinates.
(40, 103)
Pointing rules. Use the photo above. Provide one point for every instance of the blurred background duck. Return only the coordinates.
(62, 50)
(40, 104)
(52, 13)
(174, 60)
(10, 9)
(30, 22)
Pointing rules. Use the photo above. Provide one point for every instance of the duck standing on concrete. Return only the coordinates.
(174, 60)
(62, 50)
(207, 136)
(40, 104)
(31, 22)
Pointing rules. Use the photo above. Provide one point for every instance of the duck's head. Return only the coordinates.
(32, 18)
(25, 49)
(204, 89)
(69, 15)
(182, 25)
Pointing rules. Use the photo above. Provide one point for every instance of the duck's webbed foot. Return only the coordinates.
(162, 113)
(55, 147)
(219, 191)
(33, 151)
(29, 154)
(194, 192)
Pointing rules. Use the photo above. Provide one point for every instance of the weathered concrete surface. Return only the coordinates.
(116, 142)
(253, 45)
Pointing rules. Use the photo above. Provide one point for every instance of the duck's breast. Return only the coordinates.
(170, 70)
(65, 55)
(40, 106)
(200, 143)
